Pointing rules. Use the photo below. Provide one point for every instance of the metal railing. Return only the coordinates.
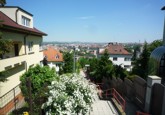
(9, 100)
(111, 92)
(118, 98)
(141, 113)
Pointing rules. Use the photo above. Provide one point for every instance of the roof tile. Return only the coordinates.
(53, 55)
(116, 49)
(7, 22)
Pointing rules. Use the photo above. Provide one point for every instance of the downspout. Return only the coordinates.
(25, 37)
(16, 14)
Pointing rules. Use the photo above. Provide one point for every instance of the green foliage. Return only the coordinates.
(2, 2)
(128, 48)
(5, 46)
(83, 61)
(154, 45)
(68, 63)
(131, 77)
(141, 64)
(40, 78)
(136, 49)
(101, 67)
(3, 77)
(120, 72)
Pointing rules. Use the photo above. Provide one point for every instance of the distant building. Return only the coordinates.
(54, 57)
(118, 55)
(17, 25)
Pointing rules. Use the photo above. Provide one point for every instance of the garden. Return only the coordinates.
(48, 93)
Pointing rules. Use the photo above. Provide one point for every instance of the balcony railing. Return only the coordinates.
(8, 63)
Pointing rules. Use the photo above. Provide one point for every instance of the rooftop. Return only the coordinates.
(8, 24)
(53, 55)
(115, 48)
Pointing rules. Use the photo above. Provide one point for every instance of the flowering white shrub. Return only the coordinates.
(70, 94)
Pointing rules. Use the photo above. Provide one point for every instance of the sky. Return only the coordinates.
(96, 20)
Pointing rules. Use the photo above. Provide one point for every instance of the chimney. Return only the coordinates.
(164, 29)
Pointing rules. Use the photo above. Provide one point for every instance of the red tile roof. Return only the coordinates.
(8, 23)
(51, 55)
(116, 49)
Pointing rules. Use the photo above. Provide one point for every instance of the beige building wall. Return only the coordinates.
(16, 66)
(16, 15)
(19, 18)
(9, 12)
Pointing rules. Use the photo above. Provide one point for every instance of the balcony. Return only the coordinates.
(9, 63)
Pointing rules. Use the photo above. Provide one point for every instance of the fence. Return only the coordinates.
(11, 100)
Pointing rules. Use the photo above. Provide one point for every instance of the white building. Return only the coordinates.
(118, 55)
(17, 25)
(54, 58)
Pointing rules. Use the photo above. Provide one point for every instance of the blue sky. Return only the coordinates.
(96, 20)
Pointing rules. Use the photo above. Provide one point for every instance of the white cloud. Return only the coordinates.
(85, 17)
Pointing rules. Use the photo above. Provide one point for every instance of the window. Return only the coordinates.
(25, 21)
(127, 59)
(57, 56)
(30, 46)
(126, 66)
(114, 58)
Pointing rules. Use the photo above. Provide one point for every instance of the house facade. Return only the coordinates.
(54, 58)
(17, 26)
(118, 55)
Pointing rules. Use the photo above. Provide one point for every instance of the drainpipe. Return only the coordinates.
(25, 37)
(16, 14)
(164, 29)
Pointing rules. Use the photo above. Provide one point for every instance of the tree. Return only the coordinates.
(5, 47)
(154, 45)
(120, 72)
(103, 67)
(136, 49)
(3, 76)
(83, 61)
(68, 63)
(2, 2)
(39, 78)
(141, 65)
